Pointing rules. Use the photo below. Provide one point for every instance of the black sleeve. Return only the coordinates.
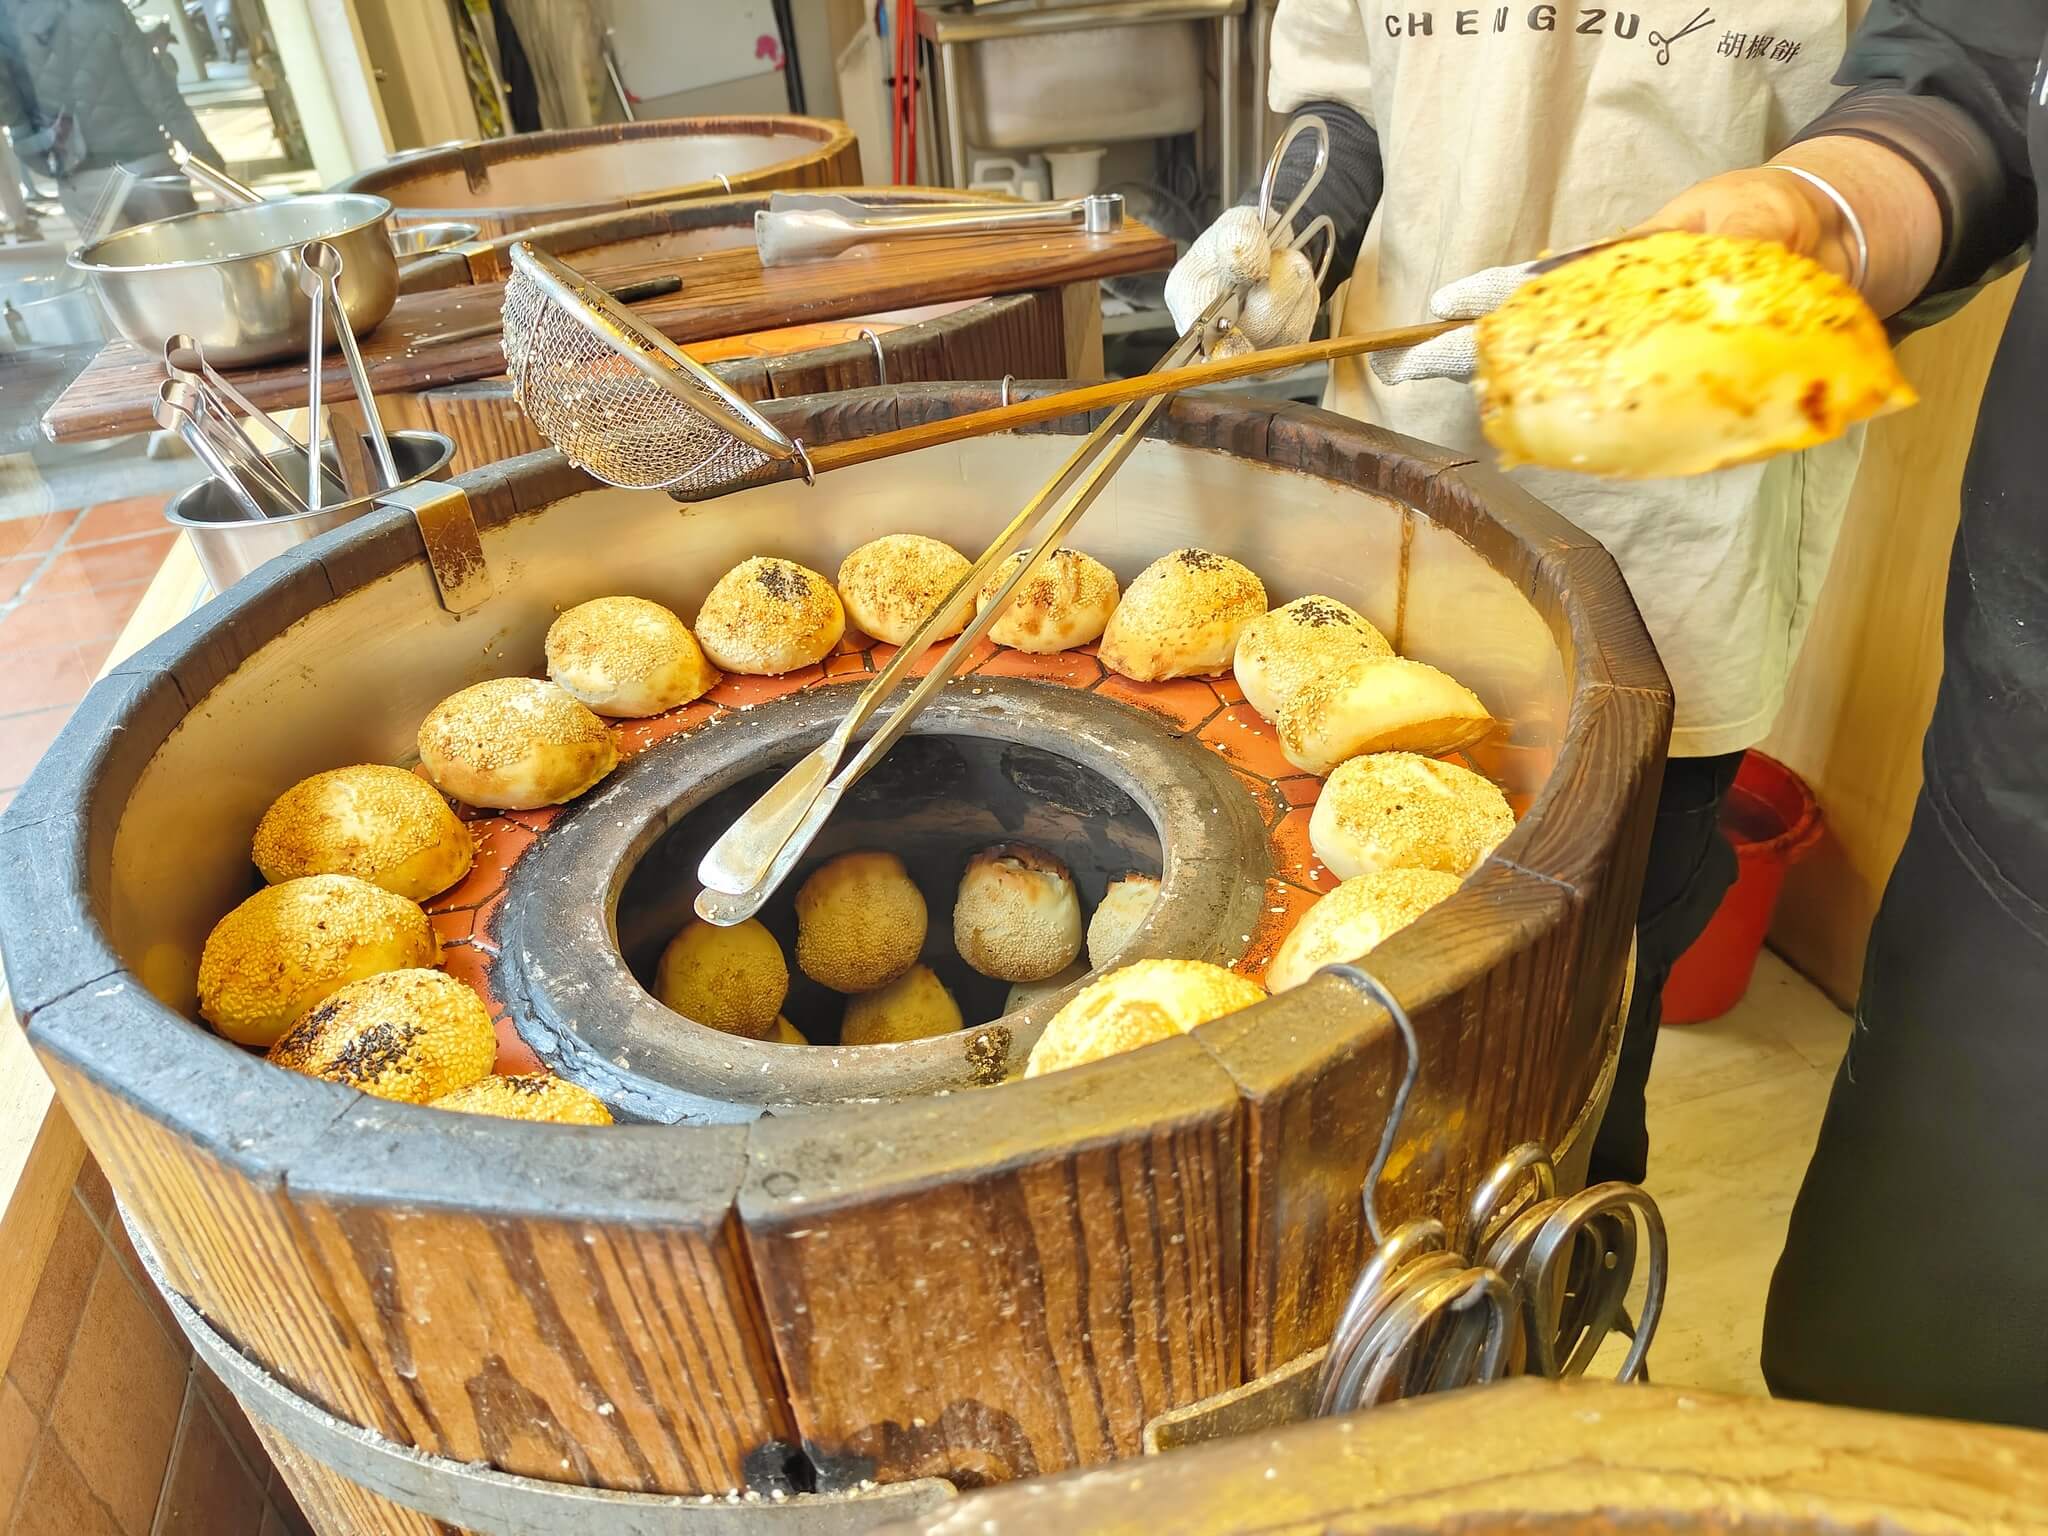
(1350, 188)
(1945, 83)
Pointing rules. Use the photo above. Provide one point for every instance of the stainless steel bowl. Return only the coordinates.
(229, 276)
(425, 239)
(230, 545)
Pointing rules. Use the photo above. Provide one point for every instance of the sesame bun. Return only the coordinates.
(409, 1035)
(1124, 907)
(1145, 1002)
(1182, 617)
(1378, 706)
(514, 743)
(1355, 919)
(528, 1096)
(893, 584)
(1281, 652)
(766, 617)
(915, 1006)
(1678, 354)
(294, 944)
(729, 979)
(1016, 917)
(373, 821)
(860, 922)
(626, 657)
(1067, 602)
(1395, 810)
(1023, 994)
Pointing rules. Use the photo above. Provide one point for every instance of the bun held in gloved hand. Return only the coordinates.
(1677, 354)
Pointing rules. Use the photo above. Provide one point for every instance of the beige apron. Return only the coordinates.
(1509, 129)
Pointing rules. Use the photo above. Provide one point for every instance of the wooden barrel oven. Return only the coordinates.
(502, 185)
(894, 1274)
(1026, 334)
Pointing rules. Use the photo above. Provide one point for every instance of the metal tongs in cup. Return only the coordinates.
(320, 268)
(746, 865)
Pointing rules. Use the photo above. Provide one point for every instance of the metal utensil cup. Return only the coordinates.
(230, 545)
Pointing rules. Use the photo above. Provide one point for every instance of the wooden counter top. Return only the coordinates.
(724, 293)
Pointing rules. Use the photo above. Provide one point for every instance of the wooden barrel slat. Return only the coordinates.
(997, 1297)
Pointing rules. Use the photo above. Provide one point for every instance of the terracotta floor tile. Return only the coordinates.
(18, 1430)
(94, 1192)
(74, 618)
(119, 520)
(48, 679)
(1183, 702)
(209, 1492)
(23, 741)
(514, 1054)
(117, 1411)
(15, 572)
(47, 1332)
(33, 535)
(56, 1500)
(230, 1416)
(100, 567)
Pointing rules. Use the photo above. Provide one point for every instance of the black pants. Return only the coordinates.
(1915, 1273)
(1691, 867)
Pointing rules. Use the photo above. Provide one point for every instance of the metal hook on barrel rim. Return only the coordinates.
(803, 462)
(881, 362)
(1376, 991)
(1008, 380)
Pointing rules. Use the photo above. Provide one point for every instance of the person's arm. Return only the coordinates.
(1320, 67)
(155, 87)
(1929, 149)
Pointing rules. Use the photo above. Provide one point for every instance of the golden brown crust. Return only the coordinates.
(294, 944)
(1678, 354)
(373, 821)
(1144, 1002)
(915, 1006)
(1396, 810)
(1067, 602)
(893, 584)
(729, 979)
(767, 616)
(528, 1096)
(860, 922)
(514, 743)
(1182, 617)
(1017, 917)
(1354, 919)
(411, 1035)
(1124, 906)
(1281, 652)
(626, 657)
(1395, 705)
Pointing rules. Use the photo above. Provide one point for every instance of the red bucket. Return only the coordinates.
(1772, 819)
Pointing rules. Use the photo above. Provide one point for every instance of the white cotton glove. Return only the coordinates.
(1280, 308)
(1453, 355)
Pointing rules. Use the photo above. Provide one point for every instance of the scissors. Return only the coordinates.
(1221, 318)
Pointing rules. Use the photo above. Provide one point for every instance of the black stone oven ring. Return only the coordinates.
(590, 1019)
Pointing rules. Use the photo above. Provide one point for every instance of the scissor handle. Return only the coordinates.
(1310, 124)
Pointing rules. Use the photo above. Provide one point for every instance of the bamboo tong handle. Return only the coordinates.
(1072, 402)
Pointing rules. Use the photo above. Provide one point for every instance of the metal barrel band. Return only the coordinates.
(487, 1502)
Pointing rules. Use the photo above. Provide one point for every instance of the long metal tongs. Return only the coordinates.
(746, 865)
(814, 226)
